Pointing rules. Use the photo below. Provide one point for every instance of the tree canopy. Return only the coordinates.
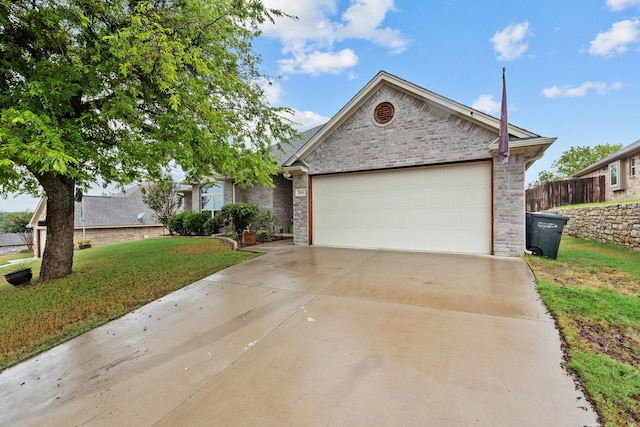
(576, 159)
(117, 90)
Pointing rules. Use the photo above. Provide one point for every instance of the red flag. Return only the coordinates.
(503, 138)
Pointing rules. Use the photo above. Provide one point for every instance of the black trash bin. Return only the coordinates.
(543, 233)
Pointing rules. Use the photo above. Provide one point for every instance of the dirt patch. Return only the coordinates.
(620, 345)
(208, 246)
(566, 275)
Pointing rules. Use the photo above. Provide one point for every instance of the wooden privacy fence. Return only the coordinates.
(562, 193)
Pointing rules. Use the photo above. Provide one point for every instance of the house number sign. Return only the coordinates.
(301, 192)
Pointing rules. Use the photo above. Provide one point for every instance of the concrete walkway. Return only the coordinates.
(316, 337)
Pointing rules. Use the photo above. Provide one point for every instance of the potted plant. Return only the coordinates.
(84, 243)
(19, 275)
(248, 236)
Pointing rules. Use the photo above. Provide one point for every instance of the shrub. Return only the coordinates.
(188, 223)
(241, 214)
(194, 222)
(263, 235)
(266, 220)
(176, 223)
(213, 225)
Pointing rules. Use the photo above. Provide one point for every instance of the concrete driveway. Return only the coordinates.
(316, 337)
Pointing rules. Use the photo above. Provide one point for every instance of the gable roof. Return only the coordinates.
(119, 210)
(624, 151)
(286, 151)
(384, 78)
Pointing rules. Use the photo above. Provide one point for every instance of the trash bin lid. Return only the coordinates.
(548, 215)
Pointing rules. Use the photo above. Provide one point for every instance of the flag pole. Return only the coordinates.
(503, 138)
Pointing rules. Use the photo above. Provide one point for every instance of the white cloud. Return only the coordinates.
(618, 5)
(309, 41)
(487, 104)
(308, 119)
(582, 90)
(316, 63)
(616, 40)
(510, 43)
(272, 92)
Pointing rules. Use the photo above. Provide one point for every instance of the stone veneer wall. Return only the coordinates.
(607, 224)
(104, 236)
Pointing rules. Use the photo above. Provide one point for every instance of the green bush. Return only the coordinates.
(188, 223)
(213, 225)
(266, 220)
(194, 222)
(176, 223)
(263, 235)
(241, 214)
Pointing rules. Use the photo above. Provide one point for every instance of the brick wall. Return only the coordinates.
(104, 236)
(420, 134)
(301, 210)
(607, 224)
(509, 207)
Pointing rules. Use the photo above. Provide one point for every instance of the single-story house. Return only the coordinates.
(102, 219)
(399, 167)
(620, 172)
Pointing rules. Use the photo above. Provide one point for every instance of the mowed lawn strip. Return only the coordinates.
(593, 291)
(107, 282)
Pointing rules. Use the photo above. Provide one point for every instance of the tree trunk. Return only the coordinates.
(57, 259)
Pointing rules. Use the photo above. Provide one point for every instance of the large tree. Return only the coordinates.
(576, 159)
(116, 90)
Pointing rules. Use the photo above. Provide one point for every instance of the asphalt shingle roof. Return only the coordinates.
(618, 154)
(114, 211)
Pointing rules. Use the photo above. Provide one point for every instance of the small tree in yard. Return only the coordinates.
(116, 90)
(18, 223)
(163, 199)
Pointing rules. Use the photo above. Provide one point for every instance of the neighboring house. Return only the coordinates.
(11, 242)
(107, 219)
(399, 167)
(620, 170)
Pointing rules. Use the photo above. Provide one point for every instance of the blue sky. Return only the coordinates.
(573, 69)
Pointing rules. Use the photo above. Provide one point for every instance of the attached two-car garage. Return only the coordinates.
(439, 208)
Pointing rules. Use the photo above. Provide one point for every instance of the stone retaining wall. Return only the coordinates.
(607, 224)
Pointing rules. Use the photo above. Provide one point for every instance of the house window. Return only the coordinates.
(614, 175)
(211, 198)
(632, 168)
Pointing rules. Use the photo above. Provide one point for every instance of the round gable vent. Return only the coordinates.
(383, 113)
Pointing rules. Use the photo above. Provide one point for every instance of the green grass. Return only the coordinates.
(4, 259)
(590, 205)
(593, 291)
(107, 282)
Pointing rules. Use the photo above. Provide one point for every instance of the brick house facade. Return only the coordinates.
(622, 168)
(419, 131)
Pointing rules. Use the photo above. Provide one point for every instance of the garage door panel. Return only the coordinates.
(445, 209)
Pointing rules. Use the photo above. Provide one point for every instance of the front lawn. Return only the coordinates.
(107, 282)
(592, 290)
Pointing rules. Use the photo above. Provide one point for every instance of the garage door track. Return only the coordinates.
(316, 336)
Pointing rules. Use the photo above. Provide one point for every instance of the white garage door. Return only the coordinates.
(440, 209)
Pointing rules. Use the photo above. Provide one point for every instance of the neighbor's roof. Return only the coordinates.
(286, 151)
(624, 151)
(123, 209)
(120, 210)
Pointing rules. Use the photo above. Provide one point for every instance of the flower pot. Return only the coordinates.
(249, 238)
(19, 277)
(85, 246)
